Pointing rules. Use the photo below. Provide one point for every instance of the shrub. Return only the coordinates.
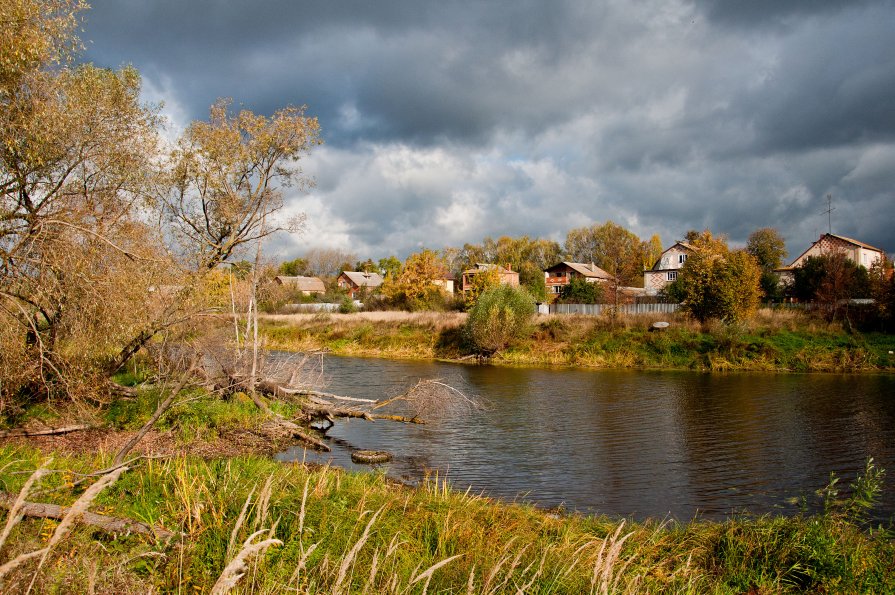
(498, 318)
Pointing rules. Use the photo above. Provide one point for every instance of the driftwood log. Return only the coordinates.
(22, 433)
(109, 524)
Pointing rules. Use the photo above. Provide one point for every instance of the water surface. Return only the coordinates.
(629, 443)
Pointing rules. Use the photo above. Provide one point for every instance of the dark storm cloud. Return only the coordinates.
(833, 85)
(448, 121)
(740, 13)
(417, 71)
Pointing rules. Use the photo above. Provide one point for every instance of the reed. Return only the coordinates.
(358, 533)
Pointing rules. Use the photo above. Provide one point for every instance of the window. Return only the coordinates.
(672, 275)
(681, 258)
(557, 289)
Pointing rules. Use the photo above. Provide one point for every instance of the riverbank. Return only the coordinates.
(772, 341)
(343, 532)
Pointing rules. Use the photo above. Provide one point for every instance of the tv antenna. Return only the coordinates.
(829, 211)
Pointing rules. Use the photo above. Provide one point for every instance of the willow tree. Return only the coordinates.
(716, 282)
(226, 178)
(76, 149)
(223, 190)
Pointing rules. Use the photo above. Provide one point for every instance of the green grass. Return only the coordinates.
(767, 344)
(501, 547)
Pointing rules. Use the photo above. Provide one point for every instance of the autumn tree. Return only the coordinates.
(226, 178)
(414, 287)
(716, 282)
(652, 251)
(479, 284)
(614, 249)
(77, 259)
(769, 249)
(831, 280)
(527, 256)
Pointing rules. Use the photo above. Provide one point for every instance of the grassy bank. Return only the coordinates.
(785, 342)
(358, 533)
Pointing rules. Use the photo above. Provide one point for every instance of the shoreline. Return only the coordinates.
(353, 520)
(787, 346)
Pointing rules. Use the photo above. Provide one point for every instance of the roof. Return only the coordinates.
(362, 279)
(682, 244)
(855, 242)
(832, 235)
(487, 266)
(590, 271)
(302, 283)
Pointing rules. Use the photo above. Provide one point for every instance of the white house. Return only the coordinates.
(666, 268)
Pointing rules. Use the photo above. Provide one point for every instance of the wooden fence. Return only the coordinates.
(597, 309)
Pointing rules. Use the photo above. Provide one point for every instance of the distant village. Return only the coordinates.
(621, 268)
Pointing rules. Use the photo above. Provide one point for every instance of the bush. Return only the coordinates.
(498, 318)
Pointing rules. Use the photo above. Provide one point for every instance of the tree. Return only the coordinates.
(829, 278)
(579, 291)
(652, 251)
(77, 259)
(226, 174)
(717, 283)
(614, 249)
(769, 249)
(389, 267)
(498, 318)
(297, 267)
(328, 262)
(367, 266)
(414, 287)
(479, 284)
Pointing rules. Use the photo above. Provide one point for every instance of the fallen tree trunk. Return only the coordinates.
(109, 524)
(22, 433)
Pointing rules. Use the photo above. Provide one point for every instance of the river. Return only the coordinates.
(629, 443)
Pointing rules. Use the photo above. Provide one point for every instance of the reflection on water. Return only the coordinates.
(629, 443)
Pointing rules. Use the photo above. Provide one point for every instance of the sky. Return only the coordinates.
(447, 121)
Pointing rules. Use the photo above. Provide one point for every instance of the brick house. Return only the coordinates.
(561, 274)
(356, 281)
(828, 243)
(506, 275)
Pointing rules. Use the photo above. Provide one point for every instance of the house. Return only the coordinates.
(505, 274)
(828, 243)
(306, 285)
(666, 268)
(560, 275)
(446, 283)
(355, 281)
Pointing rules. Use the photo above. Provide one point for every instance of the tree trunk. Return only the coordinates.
(109, 524)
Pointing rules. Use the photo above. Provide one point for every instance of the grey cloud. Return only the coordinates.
(750, 13)
(540, 117)
(833, 86)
